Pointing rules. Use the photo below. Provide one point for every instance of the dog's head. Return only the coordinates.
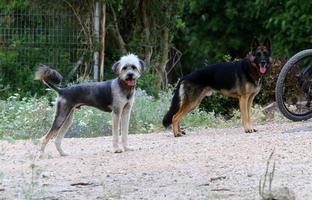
(260, 55)
(129, 68)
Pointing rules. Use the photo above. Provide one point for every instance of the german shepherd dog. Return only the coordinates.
(239, 79)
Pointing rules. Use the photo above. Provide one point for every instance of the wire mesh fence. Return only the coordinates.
(30, 37)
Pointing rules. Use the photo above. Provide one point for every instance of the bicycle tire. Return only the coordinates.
(279, 89)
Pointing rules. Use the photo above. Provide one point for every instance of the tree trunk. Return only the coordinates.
(148, 50)
(161, 69)
(121, 43)
(96, 51)
(102, 40)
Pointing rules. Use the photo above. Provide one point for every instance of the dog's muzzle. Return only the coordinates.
(130, 82)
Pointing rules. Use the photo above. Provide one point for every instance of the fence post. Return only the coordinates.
(96, 52)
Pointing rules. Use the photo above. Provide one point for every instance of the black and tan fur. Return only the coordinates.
(239, 79)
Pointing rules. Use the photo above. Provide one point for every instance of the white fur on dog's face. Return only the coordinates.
(130, 59)
(129, 68)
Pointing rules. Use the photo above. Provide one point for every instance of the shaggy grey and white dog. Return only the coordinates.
(116, 96)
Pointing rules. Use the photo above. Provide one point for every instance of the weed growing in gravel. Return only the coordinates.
(23, 118)
(33, 187)
(266, 192)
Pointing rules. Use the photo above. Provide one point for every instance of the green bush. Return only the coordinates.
(23, 118)
(148, 82)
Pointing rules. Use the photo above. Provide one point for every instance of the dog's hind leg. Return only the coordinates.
(125, 117)
(186, 107)
(62, 111)
(67, 124)
(183, 110)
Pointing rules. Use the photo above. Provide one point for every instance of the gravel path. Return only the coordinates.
(204, 164)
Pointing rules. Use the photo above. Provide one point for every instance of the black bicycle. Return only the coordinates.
(293, 90)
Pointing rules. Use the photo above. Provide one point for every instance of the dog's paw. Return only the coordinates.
(250, 130)
(117, 150)
(177, 134)
(183, 132)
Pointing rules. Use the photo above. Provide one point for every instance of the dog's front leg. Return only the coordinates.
(115, 129)
(243, 105)
(250, 100)
(125, 118)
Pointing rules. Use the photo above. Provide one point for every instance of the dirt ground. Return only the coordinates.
(205, 164)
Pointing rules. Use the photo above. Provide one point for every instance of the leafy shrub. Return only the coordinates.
(23, 118)
(219, 104)
(148, 82)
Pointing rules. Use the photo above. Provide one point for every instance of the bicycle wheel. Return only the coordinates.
(293, 92)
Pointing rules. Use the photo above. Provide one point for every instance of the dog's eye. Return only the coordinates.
(124, 68)
(133, 67)
(258, 54)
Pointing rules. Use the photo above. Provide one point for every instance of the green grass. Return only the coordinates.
(23, 118)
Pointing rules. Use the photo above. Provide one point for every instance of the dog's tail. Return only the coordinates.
(175, 105)
(49, 77)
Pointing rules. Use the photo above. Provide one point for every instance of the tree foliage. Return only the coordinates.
(214, 29)
(289, 24)
(202, 31)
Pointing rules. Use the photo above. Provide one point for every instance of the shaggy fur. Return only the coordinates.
(115, 96)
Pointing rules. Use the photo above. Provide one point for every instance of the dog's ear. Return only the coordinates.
(254, 44)
(142, 65)
(115, 67)
(267, 43)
